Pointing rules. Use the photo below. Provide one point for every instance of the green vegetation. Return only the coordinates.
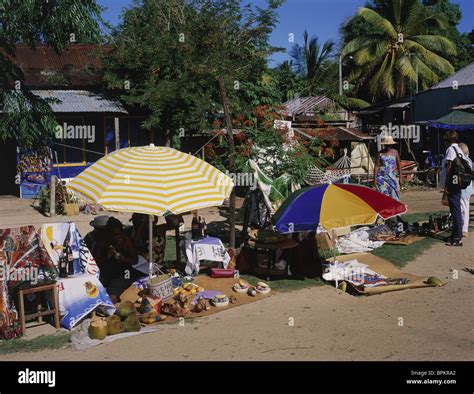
(401, 255)
(285, 285)
(57, 23)
(313, 62)
(34, 345)
(399, 49)
(167, 55)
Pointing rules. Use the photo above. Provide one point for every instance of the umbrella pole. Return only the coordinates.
(333, 233)
(150, 244)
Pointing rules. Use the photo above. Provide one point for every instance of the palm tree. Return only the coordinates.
(312, 61)
(399, 51)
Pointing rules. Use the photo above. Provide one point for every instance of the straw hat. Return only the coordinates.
(387, 140)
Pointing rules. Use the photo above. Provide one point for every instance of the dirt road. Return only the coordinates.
(418, 324)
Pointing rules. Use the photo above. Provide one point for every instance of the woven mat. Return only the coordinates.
(405, 240)
(218, 284)
(383, 267)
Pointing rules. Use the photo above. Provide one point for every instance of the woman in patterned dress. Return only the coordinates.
(388, 170)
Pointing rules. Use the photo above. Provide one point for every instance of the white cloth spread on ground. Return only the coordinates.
(357, 241)
(80, 295)
(354, 272)
(80, 340)
(208, 248)
(143, 265)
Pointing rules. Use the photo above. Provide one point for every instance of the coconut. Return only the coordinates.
(342, 286)
(132, 323)
(98, 329)
(434, 281)
(114, 325)
(126, 309)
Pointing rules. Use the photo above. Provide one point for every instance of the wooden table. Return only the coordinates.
(270, 249)
(39, 289)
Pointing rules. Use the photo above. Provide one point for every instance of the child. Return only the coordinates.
(466, 194)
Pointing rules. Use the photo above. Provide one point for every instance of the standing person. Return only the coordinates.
(452, 189)
(388, 170)
(466, 194)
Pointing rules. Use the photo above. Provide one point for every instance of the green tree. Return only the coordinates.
(317, 67)
(276, 152)
(167, 55)
(313, 62)
(288, 83)
(453, 15)
(395, 46)
(26, 117)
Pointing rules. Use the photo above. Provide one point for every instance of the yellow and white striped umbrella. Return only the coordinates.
(153, 180)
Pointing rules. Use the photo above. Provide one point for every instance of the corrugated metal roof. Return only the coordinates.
(80, 101)
(339, 133)
(399, 105)
(463, 106)
(465, 76)
(302, 105)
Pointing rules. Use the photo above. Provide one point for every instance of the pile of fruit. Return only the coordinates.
(262, 287)
(125, 319)
(187, 289)
(241, 286)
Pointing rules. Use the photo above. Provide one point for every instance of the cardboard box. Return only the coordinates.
(71, 209)
(324, 241)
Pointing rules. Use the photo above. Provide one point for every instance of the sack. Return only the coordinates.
(461, 172)
(222, 273)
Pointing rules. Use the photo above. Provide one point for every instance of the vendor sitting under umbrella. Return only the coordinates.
(138, 233)
(115, 256)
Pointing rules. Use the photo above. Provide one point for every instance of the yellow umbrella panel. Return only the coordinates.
(152, 180)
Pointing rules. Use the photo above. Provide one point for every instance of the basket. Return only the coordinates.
(161, 286)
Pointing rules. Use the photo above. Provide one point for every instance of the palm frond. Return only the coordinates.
(432, 59)
(350, 103)
(361, 42)
(378, 21)
(436, 43)
(425, 73)
(405, 67)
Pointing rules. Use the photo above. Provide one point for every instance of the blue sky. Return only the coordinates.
(320, 17)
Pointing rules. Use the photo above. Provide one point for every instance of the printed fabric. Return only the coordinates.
(386, 178)
(22, 260)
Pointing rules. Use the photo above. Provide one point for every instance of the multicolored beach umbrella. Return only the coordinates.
(333, 206)
(154, 180)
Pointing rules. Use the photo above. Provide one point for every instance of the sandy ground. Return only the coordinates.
(417, 324)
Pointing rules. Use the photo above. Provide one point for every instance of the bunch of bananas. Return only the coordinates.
(152, 317)
(187, 289)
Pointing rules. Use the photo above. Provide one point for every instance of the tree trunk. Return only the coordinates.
(230, 137)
